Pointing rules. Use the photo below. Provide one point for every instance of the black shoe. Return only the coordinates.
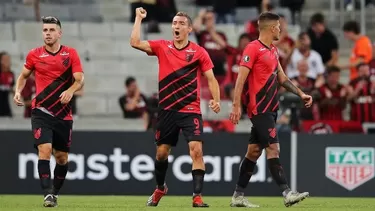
(50, 200)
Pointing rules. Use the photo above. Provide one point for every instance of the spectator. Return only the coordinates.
(323, 40)
(7, 81)
(28, 94)
(133, 103)
(225, 11)
(362, 49)
(362, 95)
(332, 96)
(307, 85)
(251, 27)
(285, 44)
(314, 60)
(295, 7)
(204, 38)
(234, 56)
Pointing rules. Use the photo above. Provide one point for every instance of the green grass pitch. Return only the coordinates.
(177, 203)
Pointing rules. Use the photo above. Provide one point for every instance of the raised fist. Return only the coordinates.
(140, 12)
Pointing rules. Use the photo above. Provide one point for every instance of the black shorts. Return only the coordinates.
(263, 131)
(170, 123)
(49, 129)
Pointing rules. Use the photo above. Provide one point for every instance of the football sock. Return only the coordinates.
(161, 167)
(59, 177)
(246, 170)
(44, 175)
(198, 177)
(278, 174)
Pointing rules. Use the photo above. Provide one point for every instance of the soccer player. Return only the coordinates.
(262, 72)
(58, 75)
(181, 64)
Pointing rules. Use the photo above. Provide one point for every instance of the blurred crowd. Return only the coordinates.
(310, 60)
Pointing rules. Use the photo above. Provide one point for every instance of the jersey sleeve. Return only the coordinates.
(249, 56)
(30, 62)
(76, 62)
(155, 47)
(205, 61)
(363, 49)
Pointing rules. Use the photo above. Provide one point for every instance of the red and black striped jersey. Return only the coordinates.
(53, 75)
(363, 106)
(261, 88)
(333, 110)
(180, 72)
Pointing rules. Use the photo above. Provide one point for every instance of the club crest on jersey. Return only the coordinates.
(189, 56)
(66, 62)
(246, 58)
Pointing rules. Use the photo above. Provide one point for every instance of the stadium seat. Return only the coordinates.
(85, 12)
(103, 85)
(18, 12)
(62, 13)
(114, 12)
(11, 47)
(76, 43)
(26, 46)
(28, 31)
(95, 30)
(113, 105)
(104, 49)
(6, 31)
(92, 105)
(105, 68)
(121, 30)
(284, 11)
(245, 14)
(70, 29)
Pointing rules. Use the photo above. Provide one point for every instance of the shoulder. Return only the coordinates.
(252, 45)
(68, 49)
(36, 51)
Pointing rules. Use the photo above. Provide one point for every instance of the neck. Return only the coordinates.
(180, 44)
(304, 50)
(266, 39)
(356, 37)
(302, 77)
(332, 85)
(53, 48)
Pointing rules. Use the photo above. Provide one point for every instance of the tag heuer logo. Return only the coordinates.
(350, 167)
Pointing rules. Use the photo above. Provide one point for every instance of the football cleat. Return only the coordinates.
(154, 199)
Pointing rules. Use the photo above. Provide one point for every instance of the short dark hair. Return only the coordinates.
(361, 64)
(244, 35)
(129, 80)
(184, 14)
(332, 69)
(302, 34)
(317, 18)
(351, 26)
(267, 16)
(51, 19)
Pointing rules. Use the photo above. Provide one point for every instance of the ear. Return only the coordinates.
(190, 29)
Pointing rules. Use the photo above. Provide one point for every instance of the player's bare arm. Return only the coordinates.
(240, 82)
(285, 82)
(135, 38)
(21, 82)
(213, 85)
(67, 95)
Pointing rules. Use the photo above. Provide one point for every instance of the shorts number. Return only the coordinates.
(196, 122)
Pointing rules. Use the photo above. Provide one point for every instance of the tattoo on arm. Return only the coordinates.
(289, 86)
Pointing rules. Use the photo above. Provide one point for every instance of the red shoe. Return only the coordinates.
(154, 199)
(198, 202)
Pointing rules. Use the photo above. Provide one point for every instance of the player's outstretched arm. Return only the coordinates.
(135, 38)
(21, 82)
(213, 85)
(289, 86)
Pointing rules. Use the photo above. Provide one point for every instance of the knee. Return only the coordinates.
(273, 151)
(45, 151)
(61, 158)
(162, 153)
(253, 152)
(196, 152)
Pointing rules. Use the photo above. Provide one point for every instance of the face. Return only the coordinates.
(333, 78)
(305, 41)
(318, 28)
(349, 35)
(132, 87)
(275, 28)
(180, 28)
(303, 67)
(364, 71)
(243, 43)
(51, 33)
(209, 20)
(5, 62)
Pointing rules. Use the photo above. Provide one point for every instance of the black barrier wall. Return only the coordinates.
(122, 163)
(336, 165)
